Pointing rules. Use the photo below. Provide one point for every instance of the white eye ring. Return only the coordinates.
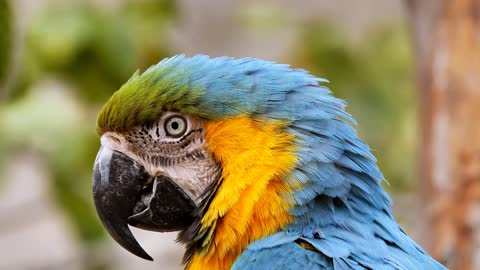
(175, 126)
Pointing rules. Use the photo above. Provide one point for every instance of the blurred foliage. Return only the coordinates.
(5, 40)
(96, 50)
(374, 75)
(84, 46)
(76, 56)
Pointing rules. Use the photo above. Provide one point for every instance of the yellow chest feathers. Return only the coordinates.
(252, 199)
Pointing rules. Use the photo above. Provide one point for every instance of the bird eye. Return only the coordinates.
(175, 126)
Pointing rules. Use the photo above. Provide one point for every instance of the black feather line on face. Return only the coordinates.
(165, 153)
(192, 236)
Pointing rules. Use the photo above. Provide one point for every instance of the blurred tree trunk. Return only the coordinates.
(446, 38)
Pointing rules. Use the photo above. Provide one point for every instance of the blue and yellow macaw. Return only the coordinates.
(253, 162)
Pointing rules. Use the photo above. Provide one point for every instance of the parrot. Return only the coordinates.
(255, 164)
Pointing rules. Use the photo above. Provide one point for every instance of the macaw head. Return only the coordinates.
(224, 150)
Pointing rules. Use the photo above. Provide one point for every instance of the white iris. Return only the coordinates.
(175, 126)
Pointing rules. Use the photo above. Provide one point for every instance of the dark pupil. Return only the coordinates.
(175, 125)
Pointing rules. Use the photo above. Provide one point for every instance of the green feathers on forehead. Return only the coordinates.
(214, 89)
(144, 98)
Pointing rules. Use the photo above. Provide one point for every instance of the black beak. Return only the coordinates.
(124, 195)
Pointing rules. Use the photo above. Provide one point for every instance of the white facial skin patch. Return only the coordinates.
(174, 147)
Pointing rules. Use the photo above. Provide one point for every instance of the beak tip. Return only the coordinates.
(145, 256)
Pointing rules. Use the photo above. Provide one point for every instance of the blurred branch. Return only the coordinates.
(448, 63)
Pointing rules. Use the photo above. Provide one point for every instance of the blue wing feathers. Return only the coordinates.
(289, 256)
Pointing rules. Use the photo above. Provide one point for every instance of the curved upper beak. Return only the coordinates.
(124, 193)
(117, 181)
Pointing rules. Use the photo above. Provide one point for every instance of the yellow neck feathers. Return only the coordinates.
(251, 201)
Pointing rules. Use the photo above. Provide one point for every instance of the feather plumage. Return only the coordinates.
(339, 216)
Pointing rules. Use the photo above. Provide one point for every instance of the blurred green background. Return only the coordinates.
(61, 60)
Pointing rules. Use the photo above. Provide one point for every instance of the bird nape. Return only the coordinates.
(255, 164)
